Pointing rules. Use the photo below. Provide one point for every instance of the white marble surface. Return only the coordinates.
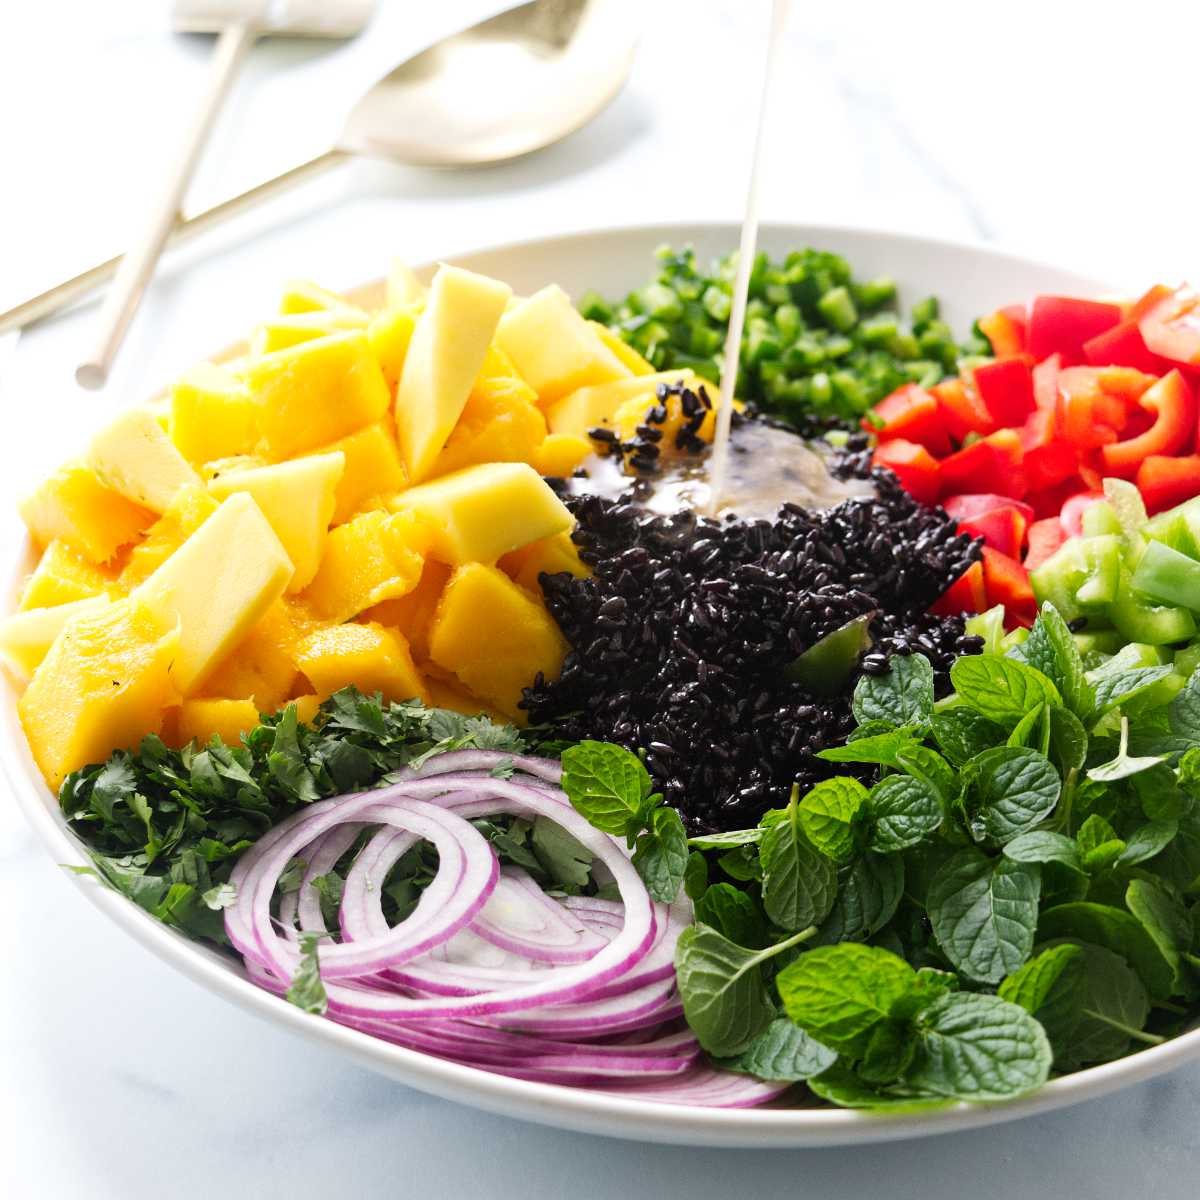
(1064, 129)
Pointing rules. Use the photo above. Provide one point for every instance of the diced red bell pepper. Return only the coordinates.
(1064, 323)
(1045, 382)
(914, 466)
(1006, 335)
(1090, 474)
(973, 504)
(1124, 346)
(1049, 502)
(910, 412)
(1045, 537)
(1172, 327)
(1094, 403)
(1049, 459)
(992, 464)
(1173, 404)
(967, 594)
(1071, 515)
(1006, 389)
(961, 409)
(1148, 300)
(1165, 482)
(1007, 583)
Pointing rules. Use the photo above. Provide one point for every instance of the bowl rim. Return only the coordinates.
(551, 1104)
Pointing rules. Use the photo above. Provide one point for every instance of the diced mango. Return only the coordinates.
(550, 555)
(216, 586)
(63, 575)
(26, 637)
(412, 614)
(315, 392)
(560, 454)
(482, 512)
(375, 557)
(443, 694)
(200, 721)
(300, 296)
(370, 657)
(373, 470)
(134, 456)
(500, 423)
(623, 350)
(297, 497)
(588, 408)
(390, 333)
(554, 348)
(280, 332)
(306, 708)
(443, 361)
(185, 514)
(213, 415)
(494, 636)
(262, 666)
(217, 467)
(403, 286)
(102, 687)
(75, 506)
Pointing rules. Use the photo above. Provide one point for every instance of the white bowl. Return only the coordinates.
(969, 281)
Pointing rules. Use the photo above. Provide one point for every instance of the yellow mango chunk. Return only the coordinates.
(589, 407)
(402, 287)
(623, 350)
(481, 512)
(560, 453)
(300, 296)
(443, 361)
(217, 467)
(554, 348)
(370, 657)
(444, 694)
(212, 415)
(63, 575)
(550, 555)
(390, 333)
(102, 687)
(26, 637)
(500, 423)
(297, 497)
(216, 586)
(315, 392)
(373, 470)
(494, 636)
(306, 708)
(185, 514)
(375, 557)
(134, 456)
(280, 332)
(412, 614)
(75, 506)
(200, 720)
(262, 666)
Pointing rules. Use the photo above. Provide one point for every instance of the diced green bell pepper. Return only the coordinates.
(1153, 624)
(1167, 576)
(1178, 528)
(1081, 577)
(1187, 660)
(1100, 518)
(989, 626)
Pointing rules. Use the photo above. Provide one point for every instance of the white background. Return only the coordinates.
(1063, 129)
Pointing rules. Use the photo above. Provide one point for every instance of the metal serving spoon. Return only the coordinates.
(508, 86)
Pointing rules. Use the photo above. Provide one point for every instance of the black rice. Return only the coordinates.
(680, 638)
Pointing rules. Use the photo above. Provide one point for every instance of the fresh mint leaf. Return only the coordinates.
(1165, 918)
(931, 768)
(1113, 929)
(839, 994)
(1014, 788)
(869, 892)
(695, 877)
(733, 913)
(782, 1051)
(606, 784)
(661, 855)
(1123, 765)
(1027, 726)
(1047, 987)
(1099, 846)
(883, 749)
(1001, 689)
(1147, 841)
(1119, 687)
(306, 991)
(1043, 846)
(1068, 740)
(984, 913)
(831, 815)
(799, 882)
(978, 1047)
(904, 811)
(1051, 649)
(902, 695)
(890, 1051)
(962, 733)
(726, 841)
(1183, 712)
(842, 1086)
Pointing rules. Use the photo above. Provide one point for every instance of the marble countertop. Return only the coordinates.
(1055, 130)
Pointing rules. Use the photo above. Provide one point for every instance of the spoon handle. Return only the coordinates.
(184, 229)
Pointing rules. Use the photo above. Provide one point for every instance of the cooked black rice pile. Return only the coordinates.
(679, 639)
